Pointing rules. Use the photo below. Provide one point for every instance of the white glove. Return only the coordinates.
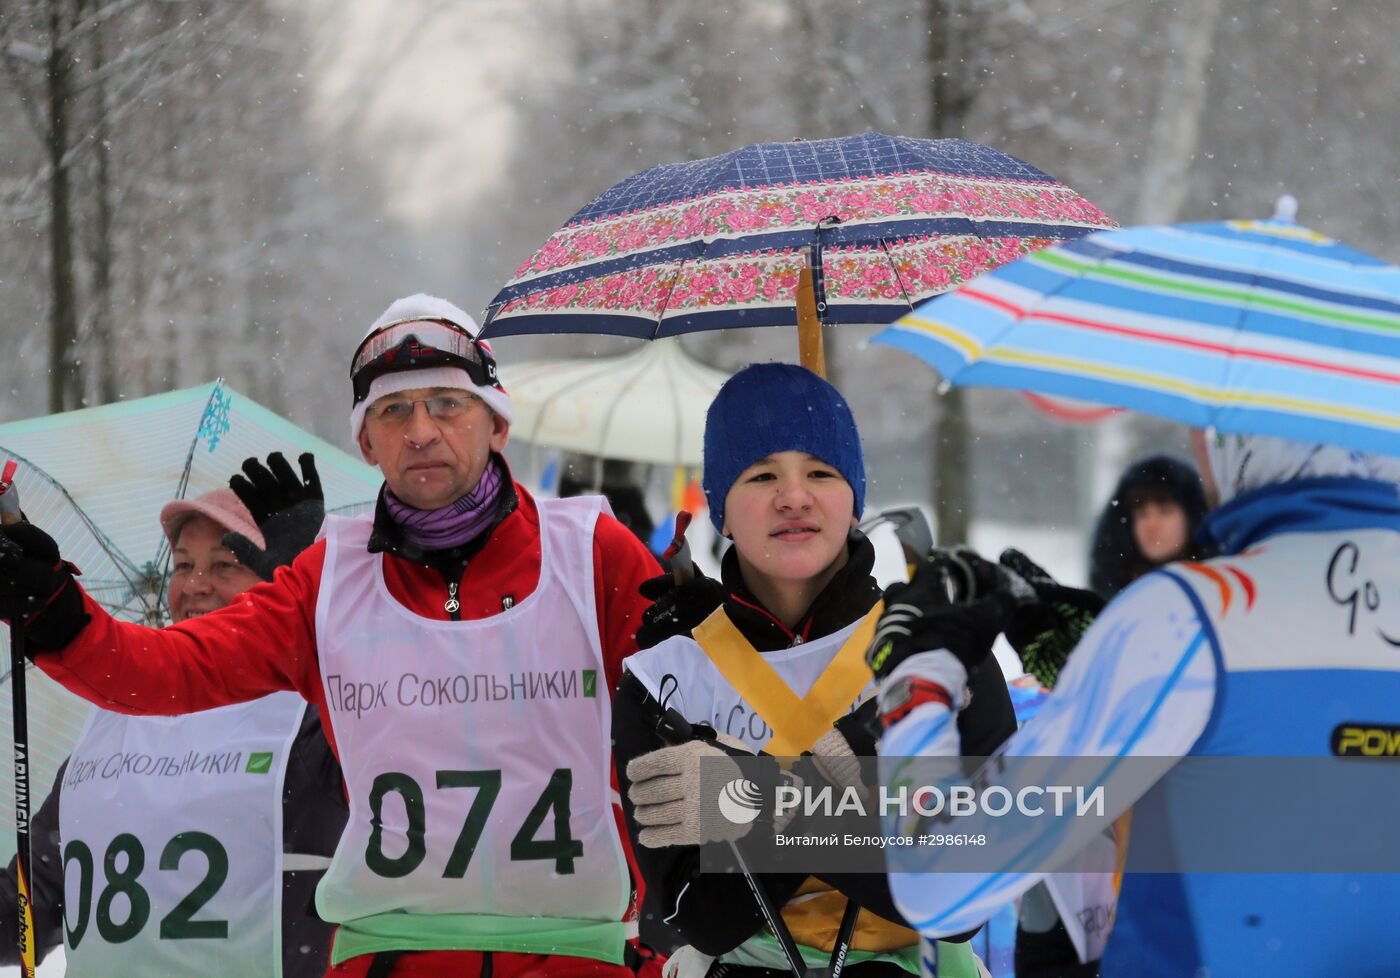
(665, 793)
(687, 962)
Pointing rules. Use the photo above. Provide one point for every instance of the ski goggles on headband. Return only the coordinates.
(412, 343)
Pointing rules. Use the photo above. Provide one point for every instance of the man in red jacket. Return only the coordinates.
(461, 647)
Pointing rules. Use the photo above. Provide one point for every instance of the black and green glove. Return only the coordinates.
(940, 608)
(1044, 631)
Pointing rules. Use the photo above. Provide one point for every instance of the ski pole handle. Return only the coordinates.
(673, 728)
(9, 495)
(678, 553)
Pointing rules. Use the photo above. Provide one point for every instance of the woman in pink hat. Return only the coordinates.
(193, 844)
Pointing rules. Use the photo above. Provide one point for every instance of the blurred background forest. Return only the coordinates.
(200, 188)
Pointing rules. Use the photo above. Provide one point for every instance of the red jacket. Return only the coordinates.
(266, 640)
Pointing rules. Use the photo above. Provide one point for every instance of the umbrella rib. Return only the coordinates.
(885, 247)
(162, 558)
(163, 551)
(672, 384)
(124, 564)
(680, 267)
(612, 408)
(120, 561)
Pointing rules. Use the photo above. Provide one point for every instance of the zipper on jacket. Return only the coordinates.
(452, 578)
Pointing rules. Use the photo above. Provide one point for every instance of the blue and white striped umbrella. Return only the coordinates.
(1250, 327)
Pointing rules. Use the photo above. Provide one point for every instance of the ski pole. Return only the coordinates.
(845, 934)
(10, 514)
(676, 729)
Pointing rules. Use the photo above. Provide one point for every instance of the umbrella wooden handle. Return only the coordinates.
(809, 326)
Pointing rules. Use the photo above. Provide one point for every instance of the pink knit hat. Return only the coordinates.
(221, 505)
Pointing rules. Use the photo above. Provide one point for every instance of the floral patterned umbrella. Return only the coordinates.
(883, 222)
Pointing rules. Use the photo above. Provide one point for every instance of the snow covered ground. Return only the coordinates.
(52, 967)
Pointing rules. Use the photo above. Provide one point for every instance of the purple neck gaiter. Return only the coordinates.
(451, 526)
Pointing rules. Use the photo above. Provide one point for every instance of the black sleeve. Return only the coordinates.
(1050, 955)
(714, 912)
(46, 886)
(989, 719)
(314, 806)
(314, 812)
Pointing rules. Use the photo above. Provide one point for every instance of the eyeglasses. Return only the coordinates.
(420, 343)
(395, 412)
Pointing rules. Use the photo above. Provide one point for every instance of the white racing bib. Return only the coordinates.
(1084, 895)
(477, 756)
(677, 672)
(171, 832)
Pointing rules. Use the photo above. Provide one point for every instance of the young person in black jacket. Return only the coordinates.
(785, 480)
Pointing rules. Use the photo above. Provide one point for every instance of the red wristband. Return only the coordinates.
(908, 695)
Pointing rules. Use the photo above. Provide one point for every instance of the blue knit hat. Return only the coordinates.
(778, 407)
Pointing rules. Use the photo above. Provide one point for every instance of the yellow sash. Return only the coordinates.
(796, 721)
(813, 915)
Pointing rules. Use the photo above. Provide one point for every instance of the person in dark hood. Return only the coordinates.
(1151, 520)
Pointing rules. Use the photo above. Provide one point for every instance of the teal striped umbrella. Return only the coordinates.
(1250, 327)
(96, 479)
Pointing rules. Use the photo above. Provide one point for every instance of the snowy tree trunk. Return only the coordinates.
(1166, 181)
(952, 81)
(65, 379)
(1171, 145)
(103, 343)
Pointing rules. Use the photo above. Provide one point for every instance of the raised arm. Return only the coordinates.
(1141, 684)
(264, 641)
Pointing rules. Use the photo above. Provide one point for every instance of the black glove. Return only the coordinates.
(676, 609)
(920, 616)
(861, 728)
(289, 511)
(37, 590)
(1044, 631)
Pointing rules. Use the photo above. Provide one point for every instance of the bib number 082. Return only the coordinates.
(178, 924)
(563, 848)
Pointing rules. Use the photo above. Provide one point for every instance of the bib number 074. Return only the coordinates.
(563, 848)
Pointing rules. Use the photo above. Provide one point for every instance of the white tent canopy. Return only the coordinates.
(647, 406)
